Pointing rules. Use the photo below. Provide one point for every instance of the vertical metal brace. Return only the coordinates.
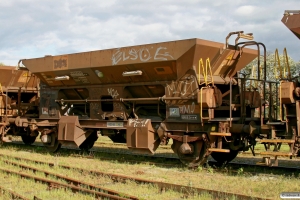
(230, 102)
(219, 142)
(19, 101)
(293, 138)
(185, 139)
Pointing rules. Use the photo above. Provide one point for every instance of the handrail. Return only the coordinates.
(287, 65)
(253, 77)
(205, 72)
(277, 67)
(211, 77)
(280, 103)
(199, 71)
(122, 99)
(201, 109)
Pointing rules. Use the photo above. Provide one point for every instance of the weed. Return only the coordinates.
(240, 171)
(202, 177)
(210, 170)
(199, 169)
(39, 149)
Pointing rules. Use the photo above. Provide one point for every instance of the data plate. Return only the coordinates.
(189, 117)
(115, 124)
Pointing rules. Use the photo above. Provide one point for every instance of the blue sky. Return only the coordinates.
(35, 28)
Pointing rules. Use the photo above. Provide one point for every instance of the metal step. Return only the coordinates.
(220, 134)
(219, 150)
(277, 141)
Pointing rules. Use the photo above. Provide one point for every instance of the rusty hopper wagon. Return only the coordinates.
(143, 96)
(18, 98)
(190, 91)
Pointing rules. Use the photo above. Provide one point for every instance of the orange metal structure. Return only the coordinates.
(191, 91)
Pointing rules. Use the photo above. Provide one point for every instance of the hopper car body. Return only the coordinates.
(191, 91)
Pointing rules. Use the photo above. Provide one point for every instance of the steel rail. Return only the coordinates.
(161, 185)
(110, 158)
(71, 180)
(13, 194)
(99, 151)
(56, 184)
(210, 161)
(234, 166)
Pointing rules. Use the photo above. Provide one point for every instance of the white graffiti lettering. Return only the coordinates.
(161, 56)
(143, 54)
(112, 92)
(138, 122)
(134, 54)
(182, 87)
(187, 109)
(116, 57)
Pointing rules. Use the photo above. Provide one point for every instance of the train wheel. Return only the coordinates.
(54, 146)
(89, 142)
(193, 159)
(27, 139)
(223, 158)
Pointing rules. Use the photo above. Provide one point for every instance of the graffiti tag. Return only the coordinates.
(187, 109)
(143, 54)
(113, 93)
(182, 87)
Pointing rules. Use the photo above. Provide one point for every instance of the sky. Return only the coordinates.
(35, 28)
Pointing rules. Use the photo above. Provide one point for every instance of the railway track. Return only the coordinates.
(248, 164)
(12, 194)
(187, 190)
(73, 184)
(148, 158)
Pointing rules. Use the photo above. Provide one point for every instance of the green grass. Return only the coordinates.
(268, 186)
(29, 188)
(205, 178)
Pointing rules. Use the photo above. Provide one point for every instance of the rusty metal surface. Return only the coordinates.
(161, 185)
(69, 130)
(13, 78)
(140, 135)
(55, 184)
(292, 21)
(164, 61)
(13, 194)
(123, 87)
(71, 180)
(18, 92)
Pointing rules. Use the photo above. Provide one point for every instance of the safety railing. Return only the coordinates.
(284, 73)
(207, 74)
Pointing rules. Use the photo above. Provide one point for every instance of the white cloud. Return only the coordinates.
(31, 28)
(247, 10)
